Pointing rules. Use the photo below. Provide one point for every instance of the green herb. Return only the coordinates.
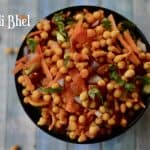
(32, 44)
(106, 24)
(59, 20)
(129, 87)
(145, 79)
(70, 21)
(66, 60)
(51, 90)
(95, 92)
(60, 37)
(115, 76)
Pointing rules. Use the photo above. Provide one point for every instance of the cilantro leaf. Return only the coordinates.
(129, 87)
(95, 92)
(66, 60)
(51, 90)
(145, 79)
(32, 44)
(106, 24)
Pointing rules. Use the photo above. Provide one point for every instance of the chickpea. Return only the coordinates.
(111, 121)
(65, 45)
(68, 78)
(146, 65)
(85, 51)
(70, 64)
(129, 104)
(117, 93)
(92, 104)
(142, 55)
(72, 135)
(123, 108)
(102, 43)
(47, 52)
(47, 98)
(58, 125)
(89, 18)
(15, 147)
(48, 61)
(121, 64)
(56, 100)
(55, 85)
(79, 16)
(39, 26)
(123, 122)
(46, 26)
(106, 34)
(25, 92)
(72, 118)
(129, 73)
(36, 95)
(60, 63)
(95, 44)
(83, 96)
(109, 41)
(131, 66)
(44, 35)
(42, 121)
(84, 73)
(114, 34)
(93, 129)
(101, 83)
(53, 71)
(102, 109)
(82, 138)
(110, 86)
(58, 51)
(136, 107)
(26, 99)
(147, 56)
(97, 14)
(148, 75)
(55, 109)
(98, 121)
(90, 33)
(99, 29)
(112, 48)
(85, 103)
(20, 79)
(134, 95)
(72, 126)
(110, 55)
(98, 53)
(105, 116)
(63, 70)
(82, 119)
(55, 58)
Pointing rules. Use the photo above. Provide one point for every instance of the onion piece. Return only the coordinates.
(141, 45)
(95, 23)
(94, 79)
(98, 114)
(61, 82)
(77, 99)
(25, 51)
(94, 65)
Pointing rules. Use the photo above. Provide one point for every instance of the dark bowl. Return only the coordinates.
(33, 113)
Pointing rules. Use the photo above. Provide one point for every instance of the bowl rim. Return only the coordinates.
(19, 87)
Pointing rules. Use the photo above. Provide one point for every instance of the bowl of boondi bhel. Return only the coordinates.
(83, 74)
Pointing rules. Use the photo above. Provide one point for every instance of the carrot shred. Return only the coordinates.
(134, 59)
(53, 121)
(34, 33)
(22, 60)
(28, 82)
(46, 69)
(113, 23)
(18, 68)
(38, 103)
(130, 41)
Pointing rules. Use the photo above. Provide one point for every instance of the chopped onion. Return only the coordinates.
(98, 114)
(77, 99)
(94, 65)
(95, 23)
(141, 45)
(61, 82)
(25, 51)
(94, 79)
